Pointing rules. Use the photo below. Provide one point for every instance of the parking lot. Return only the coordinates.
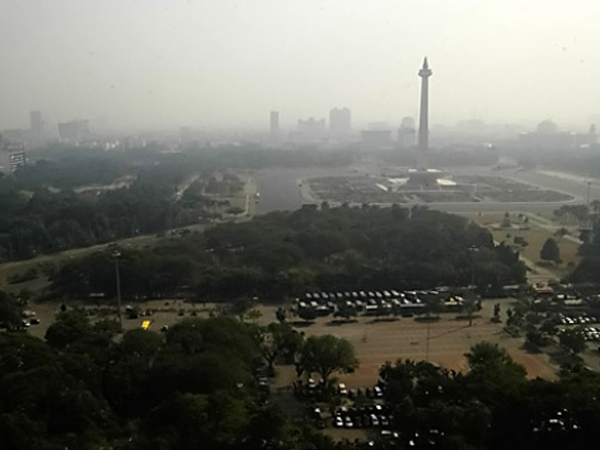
(583, 321)
(375, 303)
(443, 342)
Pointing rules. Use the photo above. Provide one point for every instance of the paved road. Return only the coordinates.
(184, 187)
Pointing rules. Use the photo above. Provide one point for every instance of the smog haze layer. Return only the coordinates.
(225, 63)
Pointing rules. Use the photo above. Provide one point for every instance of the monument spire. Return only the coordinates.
(423, 147)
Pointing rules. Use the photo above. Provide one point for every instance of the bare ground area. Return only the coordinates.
(166, 312)
(375, 341)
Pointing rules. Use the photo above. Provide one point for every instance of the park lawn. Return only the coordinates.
(535, 236)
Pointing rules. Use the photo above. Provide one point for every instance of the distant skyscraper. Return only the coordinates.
(274, 123)
(407, 133)
(424, 73)
(340, 123)
(73, 131)
(35, 122)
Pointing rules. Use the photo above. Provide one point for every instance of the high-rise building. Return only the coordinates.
(407, 133)
(74, 130)
(36, 124)
(424, 73)
(340, 123)
(12, 154)
(274, 125)
(377, 136)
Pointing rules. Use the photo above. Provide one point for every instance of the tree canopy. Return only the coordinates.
(327, 354)
(286, 253)
(550, 251)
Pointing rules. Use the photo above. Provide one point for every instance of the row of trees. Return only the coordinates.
(286, 253)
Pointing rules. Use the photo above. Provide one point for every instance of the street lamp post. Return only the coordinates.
(472, 250)
(116, 254)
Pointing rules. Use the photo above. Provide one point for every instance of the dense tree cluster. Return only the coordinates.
(588, 269)
(10, 311)
(44, 209)
(492, 406)
(192, 387)
(44, 220)
(196, 386)
(550, 251)
(286, 253)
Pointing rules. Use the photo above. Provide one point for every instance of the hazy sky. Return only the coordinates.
(212, 63)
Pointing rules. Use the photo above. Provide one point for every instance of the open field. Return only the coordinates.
(535, 235)
(375, 341)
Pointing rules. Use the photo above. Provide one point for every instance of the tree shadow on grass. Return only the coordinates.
(462, 318)
(384, 320)
(561, 357)
(531, 348)
(337, 323)
(301, 324)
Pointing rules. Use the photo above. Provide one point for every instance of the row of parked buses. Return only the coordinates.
(406, 303)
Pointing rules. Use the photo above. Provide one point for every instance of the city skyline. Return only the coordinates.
(163, 63)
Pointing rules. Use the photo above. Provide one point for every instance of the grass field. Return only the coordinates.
(535, 236)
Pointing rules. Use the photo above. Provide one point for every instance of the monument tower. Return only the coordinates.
(423, 146)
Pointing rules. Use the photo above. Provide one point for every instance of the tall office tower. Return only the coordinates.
(274, 123)
(407, 133)
(73, 131)
(340, 123)
(36, 123)
(424, 73)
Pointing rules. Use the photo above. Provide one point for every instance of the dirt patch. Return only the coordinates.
(375, 342)
(449, 339)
